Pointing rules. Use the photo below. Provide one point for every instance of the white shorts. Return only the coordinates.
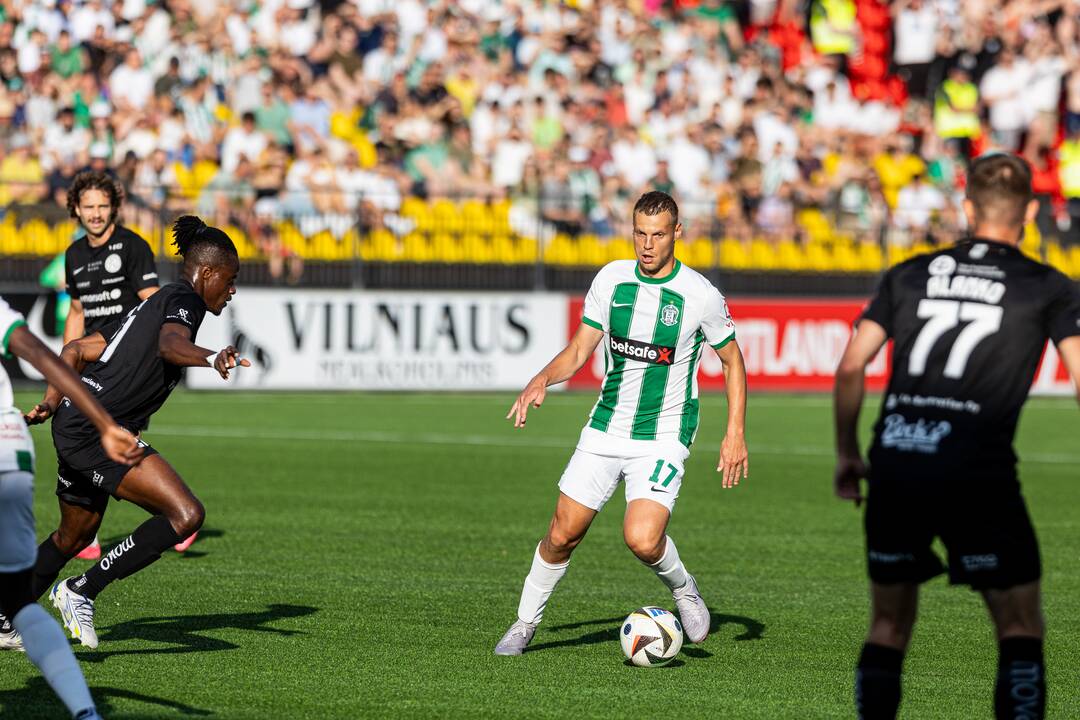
(652, 471)
(18, 546)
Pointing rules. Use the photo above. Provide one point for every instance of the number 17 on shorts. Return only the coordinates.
(654, 478)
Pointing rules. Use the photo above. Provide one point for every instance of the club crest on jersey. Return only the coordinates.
(113, 263)
(669, 315)
(643, 351)
(942, 265)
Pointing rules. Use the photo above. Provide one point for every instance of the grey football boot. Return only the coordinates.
(692, 611)
(516, 639)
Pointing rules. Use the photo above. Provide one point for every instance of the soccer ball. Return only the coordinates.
(651, 637)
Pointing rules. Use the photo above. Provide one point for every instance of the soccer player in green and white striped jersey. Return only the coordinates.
(655, 315)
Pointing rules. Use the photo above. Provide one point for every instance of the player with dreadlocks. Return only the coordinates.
(131, 367)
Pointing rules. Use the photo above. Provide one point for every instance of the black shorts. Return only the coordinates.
(87, 476)
(983, 524)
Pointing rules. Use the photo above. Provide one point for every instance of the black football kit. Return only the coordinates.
(107, 279)
(969, 325)
(131, 381)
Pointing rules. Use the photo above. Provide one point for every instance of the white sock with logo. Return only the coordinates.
(670, 568)
(48, 648)
(539, 584)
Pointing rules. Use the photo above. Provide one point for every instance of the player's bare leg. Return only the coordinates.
(154, 486)
(1021, 680)
(79, 524)
(567, 529)
(893, 609)
(645, 533)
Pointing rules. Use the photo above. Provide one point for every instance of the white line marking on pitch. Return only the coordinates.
(534, 441)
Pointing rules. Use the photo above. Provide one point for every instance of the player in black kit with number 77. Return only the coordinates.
(132, 366)
(969, 324)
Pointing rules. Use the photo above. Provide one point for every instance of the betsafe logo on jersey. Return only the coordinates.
(643, 351)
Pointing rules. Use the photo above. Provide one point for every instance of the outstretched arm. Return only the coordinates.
(734, 457)
(562, 367)
(175, 347)
(119, 444)
(76, 355)
(866, 341)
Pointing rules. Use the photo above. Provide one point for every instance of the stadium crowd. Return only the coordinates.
(332, 112)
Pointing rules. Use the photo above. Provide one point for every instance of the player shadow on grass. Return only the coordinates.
(752, 630)
(36, 699)
(182, 633)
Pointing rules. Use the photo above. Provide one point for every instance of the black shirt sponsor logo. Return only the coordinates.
(643, 351)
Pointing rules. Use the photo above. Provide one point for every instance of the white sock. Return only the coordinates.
(47, 647)
(539, 584)
(670, 569)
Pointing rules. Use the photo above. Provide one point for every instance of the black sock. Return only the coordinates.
(877, 682)
(50, 561)
(1020, 693)
(134, 552)
(14, 596)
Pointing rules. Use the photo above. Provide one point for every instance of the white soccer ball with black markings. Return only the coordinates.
(651, 636)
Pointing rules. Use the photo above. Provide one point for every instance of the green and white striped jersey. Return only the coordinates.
(654, 329)
(16, 447)
(9, 320)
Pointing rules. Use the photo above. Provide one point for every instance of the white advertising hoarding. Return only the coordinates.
(376, 340)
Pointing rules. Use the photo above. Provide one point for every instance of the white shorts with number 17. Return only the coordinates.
(651, 470)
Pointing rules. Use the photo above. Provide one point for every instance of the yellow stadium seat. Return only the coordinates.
(378, 246)
(762, 255)
(1074, 261)
(63, 233)
(818, 257)
(734, 255)
(590, 252)
(417, 248)
(1057, 257)
(477, 218)
(37, 237)
(291, 238)
(447, 248)
(790, 256)
(504, 250)
(699, 253)
(412, 207)
(477, 249)
(619, 248)
(846, 258)
(871, 258)
(561, 250)
(897, 254)
(11, 241)
(320, 246)
(528, 250)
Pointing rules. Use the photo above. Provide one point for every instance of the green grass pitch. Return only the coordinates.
(363, 552)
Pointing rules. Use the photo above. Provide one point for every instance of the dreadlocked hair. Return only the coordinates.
(198, 243)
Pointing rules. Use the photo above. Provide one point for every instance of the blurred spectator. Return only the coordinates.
(22, 181)
(915, 42)
(956, 105)
(328, 114)
(916, 204)
(242, 142)
(1003, 87)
